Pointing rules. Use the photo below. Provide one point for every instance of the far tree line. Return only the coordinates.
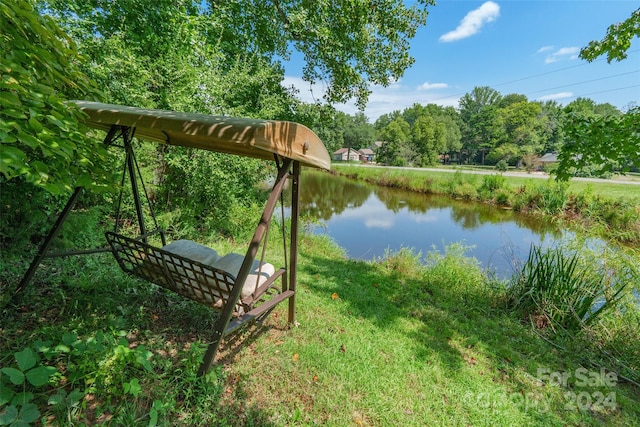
(487, 128)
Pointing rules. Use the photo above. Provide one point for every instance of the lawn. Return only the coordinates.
(410, 339)
(611, 188)
(392, 342)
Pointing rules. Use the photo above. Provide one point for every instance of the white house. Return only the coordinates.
(346, 154)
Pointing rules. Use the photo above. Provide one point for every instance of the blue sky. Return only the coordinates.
(515, 46)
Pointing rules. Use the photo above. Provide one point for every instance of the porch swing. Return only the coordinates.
(240, 287)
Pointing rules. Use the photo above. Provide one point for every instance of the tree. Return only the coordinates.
(423, 138)
(552, 117)
(616, 42)
(478, 112)
(609, 143)
(358, 132)
(370, 47)
(478, 99)
(43, 139)
(395, 137)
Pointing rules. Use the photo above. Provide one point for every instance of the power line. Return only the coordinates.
(605, 91)
(558, 70)
(534, 76)
(587, 81)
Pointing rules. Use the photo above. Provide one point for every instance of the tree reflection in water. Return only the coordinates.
(367, 220)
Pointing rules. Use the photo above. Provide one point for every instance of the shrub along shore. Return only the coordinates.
(607, 209)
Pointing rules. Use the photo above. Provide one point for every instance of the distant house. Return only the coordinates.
(547, 159)
(346, 154)
(366, 155)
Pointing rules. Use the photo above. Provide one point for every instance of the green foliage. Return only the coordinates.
(552, 289)
(55, 377)
(502, 166)
(18, 383)
(395, 137)
(418, 135)
(549, 197)
(371, 47)
(492, 183)
(605, 144)
(43, 139)
(358, 133)
(213, 191)
(616, 42)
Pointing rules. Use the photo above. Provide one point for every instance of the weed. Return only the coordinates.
(552, 289)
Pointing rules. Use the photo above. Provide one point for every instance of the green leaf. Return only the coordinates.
(28, 413)
(11, 158)
(15, 376)
(58, 398)
(133, 387)
(75, 397)
(69, 338)
(28, 140)
(62, 348)
(40, 376)
(26, 359)
(22, 398)
(9, 416)
(6, 394)
(153, 417)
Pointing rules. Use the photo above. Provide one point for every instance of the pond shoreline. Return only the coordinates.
(587, 210)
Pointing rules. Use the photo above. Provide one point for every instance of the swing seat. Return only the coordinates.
(240, 288)
(199, 273)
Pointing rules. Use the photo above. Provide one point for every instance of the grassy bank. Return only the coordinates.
(608, 209)
(390, 342)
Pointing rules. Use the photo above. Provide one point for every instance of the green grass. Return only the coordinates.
(608, 188)
(390, 342)
(409, 339)
(553, 288)
(606, 209)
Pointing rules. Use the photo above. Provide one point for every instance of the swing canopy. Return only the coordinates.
(242, 136)
(242, 288)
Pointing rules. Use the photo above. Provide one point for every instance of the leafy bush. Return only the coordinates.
(210, 188)
(466, 191)
(502, 166)
(491, 183)
(43, 138)
(552, 289)
(503, 197)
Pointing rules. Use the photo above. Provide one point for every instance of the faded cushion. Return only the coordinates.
(232, 262)
(192, 250)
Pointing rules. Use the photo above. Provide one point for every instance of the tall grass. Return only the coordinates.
(553, 289)
(601, 209)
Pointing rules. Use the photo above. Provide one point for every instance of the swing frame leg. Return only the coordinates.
(212, 350)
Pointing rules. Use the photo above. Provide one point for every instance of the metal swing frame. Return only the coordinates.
(290, 145)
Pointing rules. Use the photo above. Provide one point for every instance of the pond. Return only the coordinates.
(368, 220)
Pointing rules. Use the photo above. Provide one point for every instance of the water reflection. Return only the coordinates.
(367, 220)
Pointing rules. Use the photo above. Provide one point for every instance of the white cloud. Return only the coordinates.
(561, 54)
(555, 96)
(379, 223)
(545, 49)
(473, 22)
(385, 100)
(428, 86)
(382, 100)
